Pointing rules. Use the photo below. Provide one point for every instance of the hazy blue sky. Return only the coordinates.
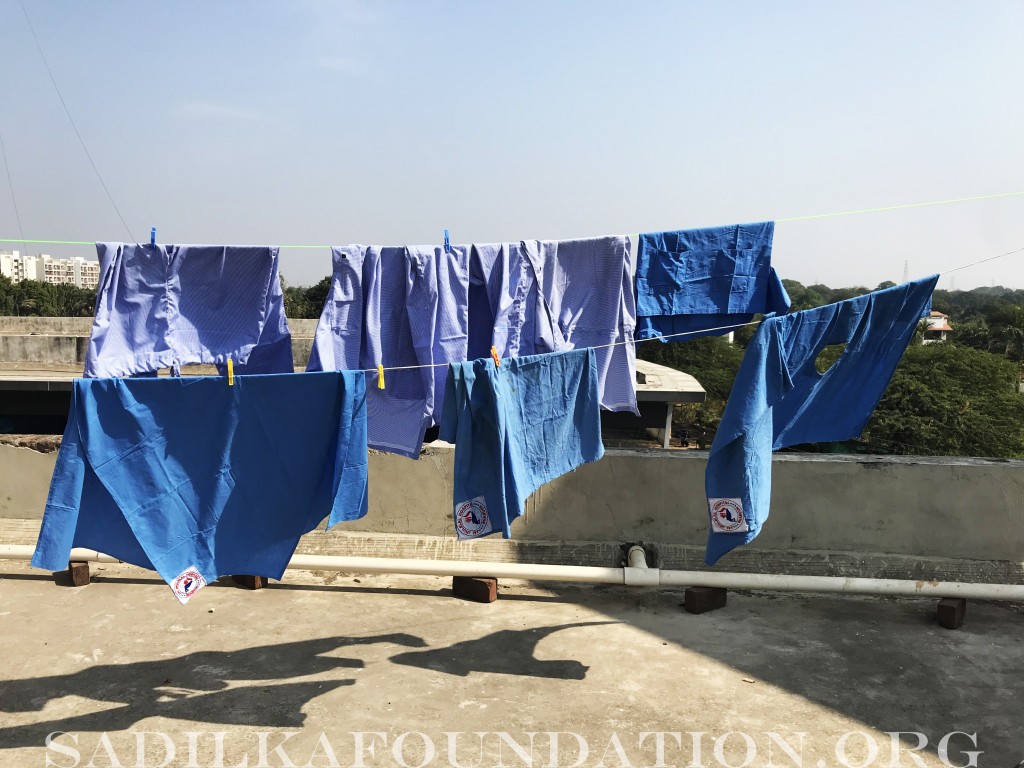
(384, 122)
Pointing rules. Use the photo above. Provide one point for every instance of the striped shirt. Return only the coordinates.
(540, 296)
(396, 307)
(423, 306)
(164, 306)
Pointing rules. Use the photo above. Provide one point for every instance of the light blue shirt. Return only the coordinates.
(396, 307)
(779, 398)
(422, 306)
(540, 296)
(165, 306)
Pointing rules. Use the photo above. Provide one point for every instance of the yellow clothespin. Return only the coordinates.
(380, 377)
(494, 356)
(231, 372)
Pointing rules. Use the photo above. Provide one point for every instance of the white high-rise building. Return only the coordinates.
(76, 270)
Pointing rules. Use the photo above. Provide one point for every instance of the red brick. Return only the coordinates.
(476, 588)
(78, 572)
(250, 582)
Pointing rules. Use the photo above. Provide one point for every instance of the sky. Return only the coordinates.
(328, 122)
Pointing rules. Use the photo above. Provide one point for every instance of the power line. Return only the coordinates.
(901, 207)
(982, 261)
(72, 121)
(14, 200)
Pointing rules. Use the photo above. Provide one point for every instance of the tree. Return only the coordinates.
(316, 295)
(950, 400)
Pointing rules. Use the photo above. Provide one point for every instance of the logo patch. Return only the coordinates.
(727, 516)
(187, 583)
(471, 518)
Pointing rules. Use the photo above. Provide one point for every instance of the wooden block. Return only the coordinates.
(250, 582)
(78, 573)
(951, 612)
(476, 588)
(704, 599)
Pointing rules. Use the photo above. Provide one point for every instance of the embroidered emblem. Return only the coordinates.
(727, 516)
(471, 518)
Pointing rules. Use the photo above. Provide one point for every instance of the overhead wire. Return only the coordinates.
(14, 199)
(67, 111)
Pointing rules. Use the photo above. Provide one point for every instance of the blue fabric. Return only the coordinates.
(540, 296)
(515, 427)
(170, 473)
(164, 306)
(396, 306)
(779, 399)
(422, 306)
(694, 280)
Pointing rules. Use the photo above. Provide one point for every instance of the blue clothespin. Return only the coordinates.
(447, 244)
(152, 236)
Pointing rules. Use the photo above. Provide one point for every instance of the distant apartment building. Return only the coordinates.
(76, 270)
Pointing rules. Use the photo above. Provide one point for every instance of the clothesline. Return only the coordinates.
(787, 219)
(704, 331)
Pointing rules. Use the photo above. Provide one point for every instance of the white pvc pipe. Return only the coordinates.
(577, 573)
(634, 574)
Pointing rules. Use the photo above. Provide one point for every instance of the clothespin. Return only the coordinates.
(231, 372)
(494, 356)
(152, 236)
(447, 243)
(380, 377)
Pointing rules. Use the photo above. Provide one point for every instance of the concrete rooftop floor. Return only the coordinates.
(331, 656)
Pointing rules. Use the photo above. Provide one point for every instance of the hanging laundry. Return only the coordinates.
(780, 399)
(690, 281)
(396, 307)
(338, 340)
(194, 478)
(541, 296)
(516, 426)
(164, 306)
(507, 310)
(438, 287)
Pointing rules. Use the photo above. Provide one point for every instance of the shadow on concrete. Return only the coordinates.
(883, 662)
(444, 592)
(198, 682)
(507, 652)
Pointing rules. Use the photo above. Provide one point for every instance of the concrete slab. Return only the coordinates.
(331, 664)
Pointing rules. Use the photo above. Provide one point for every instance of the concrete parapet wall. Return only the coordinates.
(82, 326)
(45, 326)
(893, 517)
(62, 350)
(64, 340)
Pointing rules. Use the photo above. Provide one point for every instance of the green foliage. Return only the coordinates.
(39, 299)
(949, 400)
(305, 303)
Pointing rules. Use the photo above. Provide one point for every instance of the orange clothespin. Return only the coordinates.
(494, 356)
(380, 377)
(231, 372)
